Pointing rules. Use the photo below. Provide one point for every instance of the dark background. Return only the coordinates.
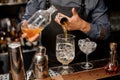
(113, 11)
(113, 4)
(114, 14)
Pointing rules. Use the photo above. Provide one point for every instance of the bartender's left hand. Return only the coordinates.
(74, 22)
(24, 35)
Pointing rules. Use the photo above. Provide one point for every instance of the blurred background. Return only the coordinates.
(11, 12)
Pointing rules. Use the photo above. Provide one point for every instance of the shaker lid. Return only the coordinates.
(14, 45)
(41, 50)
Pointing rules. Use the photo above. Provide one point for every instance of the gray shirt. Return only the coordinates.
(97, 9)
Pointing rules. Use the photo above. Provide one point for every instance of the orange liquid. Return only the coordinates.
(32, 31)
(64, 25)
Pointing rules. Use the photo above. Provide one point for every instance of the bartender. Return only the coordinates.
(87, 19)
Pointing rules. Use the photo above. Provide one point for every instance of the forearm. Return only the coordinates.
(96, 31)
(99, 31)
(99, 25)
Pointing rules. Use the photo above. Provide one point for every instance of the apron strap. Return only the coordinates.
(47, 4)
(83, 11)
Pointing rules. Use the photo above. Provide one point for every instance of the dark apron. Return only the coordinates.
(49, 37)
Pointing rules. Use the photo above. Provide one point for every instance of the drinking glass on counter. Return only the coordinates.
(65, 52)
(87, 47)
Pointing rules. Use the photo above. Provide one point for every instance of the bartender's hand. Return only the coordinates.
(74, 22)
(24, 35)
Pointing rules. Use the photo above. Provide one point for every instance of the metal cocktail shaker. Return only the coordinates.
(40, 63)
(16, 61)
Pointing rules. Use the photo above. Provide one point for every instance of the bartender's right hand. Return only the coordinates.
(24, 35)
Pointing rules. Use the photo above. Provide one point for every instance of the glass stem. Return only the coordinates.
(65, 66)
(86, 59)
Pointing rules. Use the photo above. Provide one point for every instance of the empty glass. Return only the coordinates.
(65, 52)
(87, 47)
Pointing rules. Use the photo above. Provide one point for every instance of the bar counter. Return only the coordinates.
(97, 73)
(94, 74)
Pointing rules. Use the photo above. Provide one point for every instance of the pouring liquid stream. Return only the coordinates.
(65, 30)
(64, 21)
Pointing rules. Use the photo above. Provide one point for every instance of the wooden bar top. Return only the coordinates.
(97, 73)
(94, 74)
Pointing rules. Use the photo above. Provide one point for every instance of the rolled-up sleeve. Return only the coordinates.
(100, 24)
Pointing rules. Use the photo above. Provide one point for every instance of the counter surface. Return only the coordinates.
(97, 73)
(94, 74)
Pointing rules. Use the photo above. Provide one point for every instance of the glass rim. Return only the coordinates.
(63, 36)
(14, 45)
